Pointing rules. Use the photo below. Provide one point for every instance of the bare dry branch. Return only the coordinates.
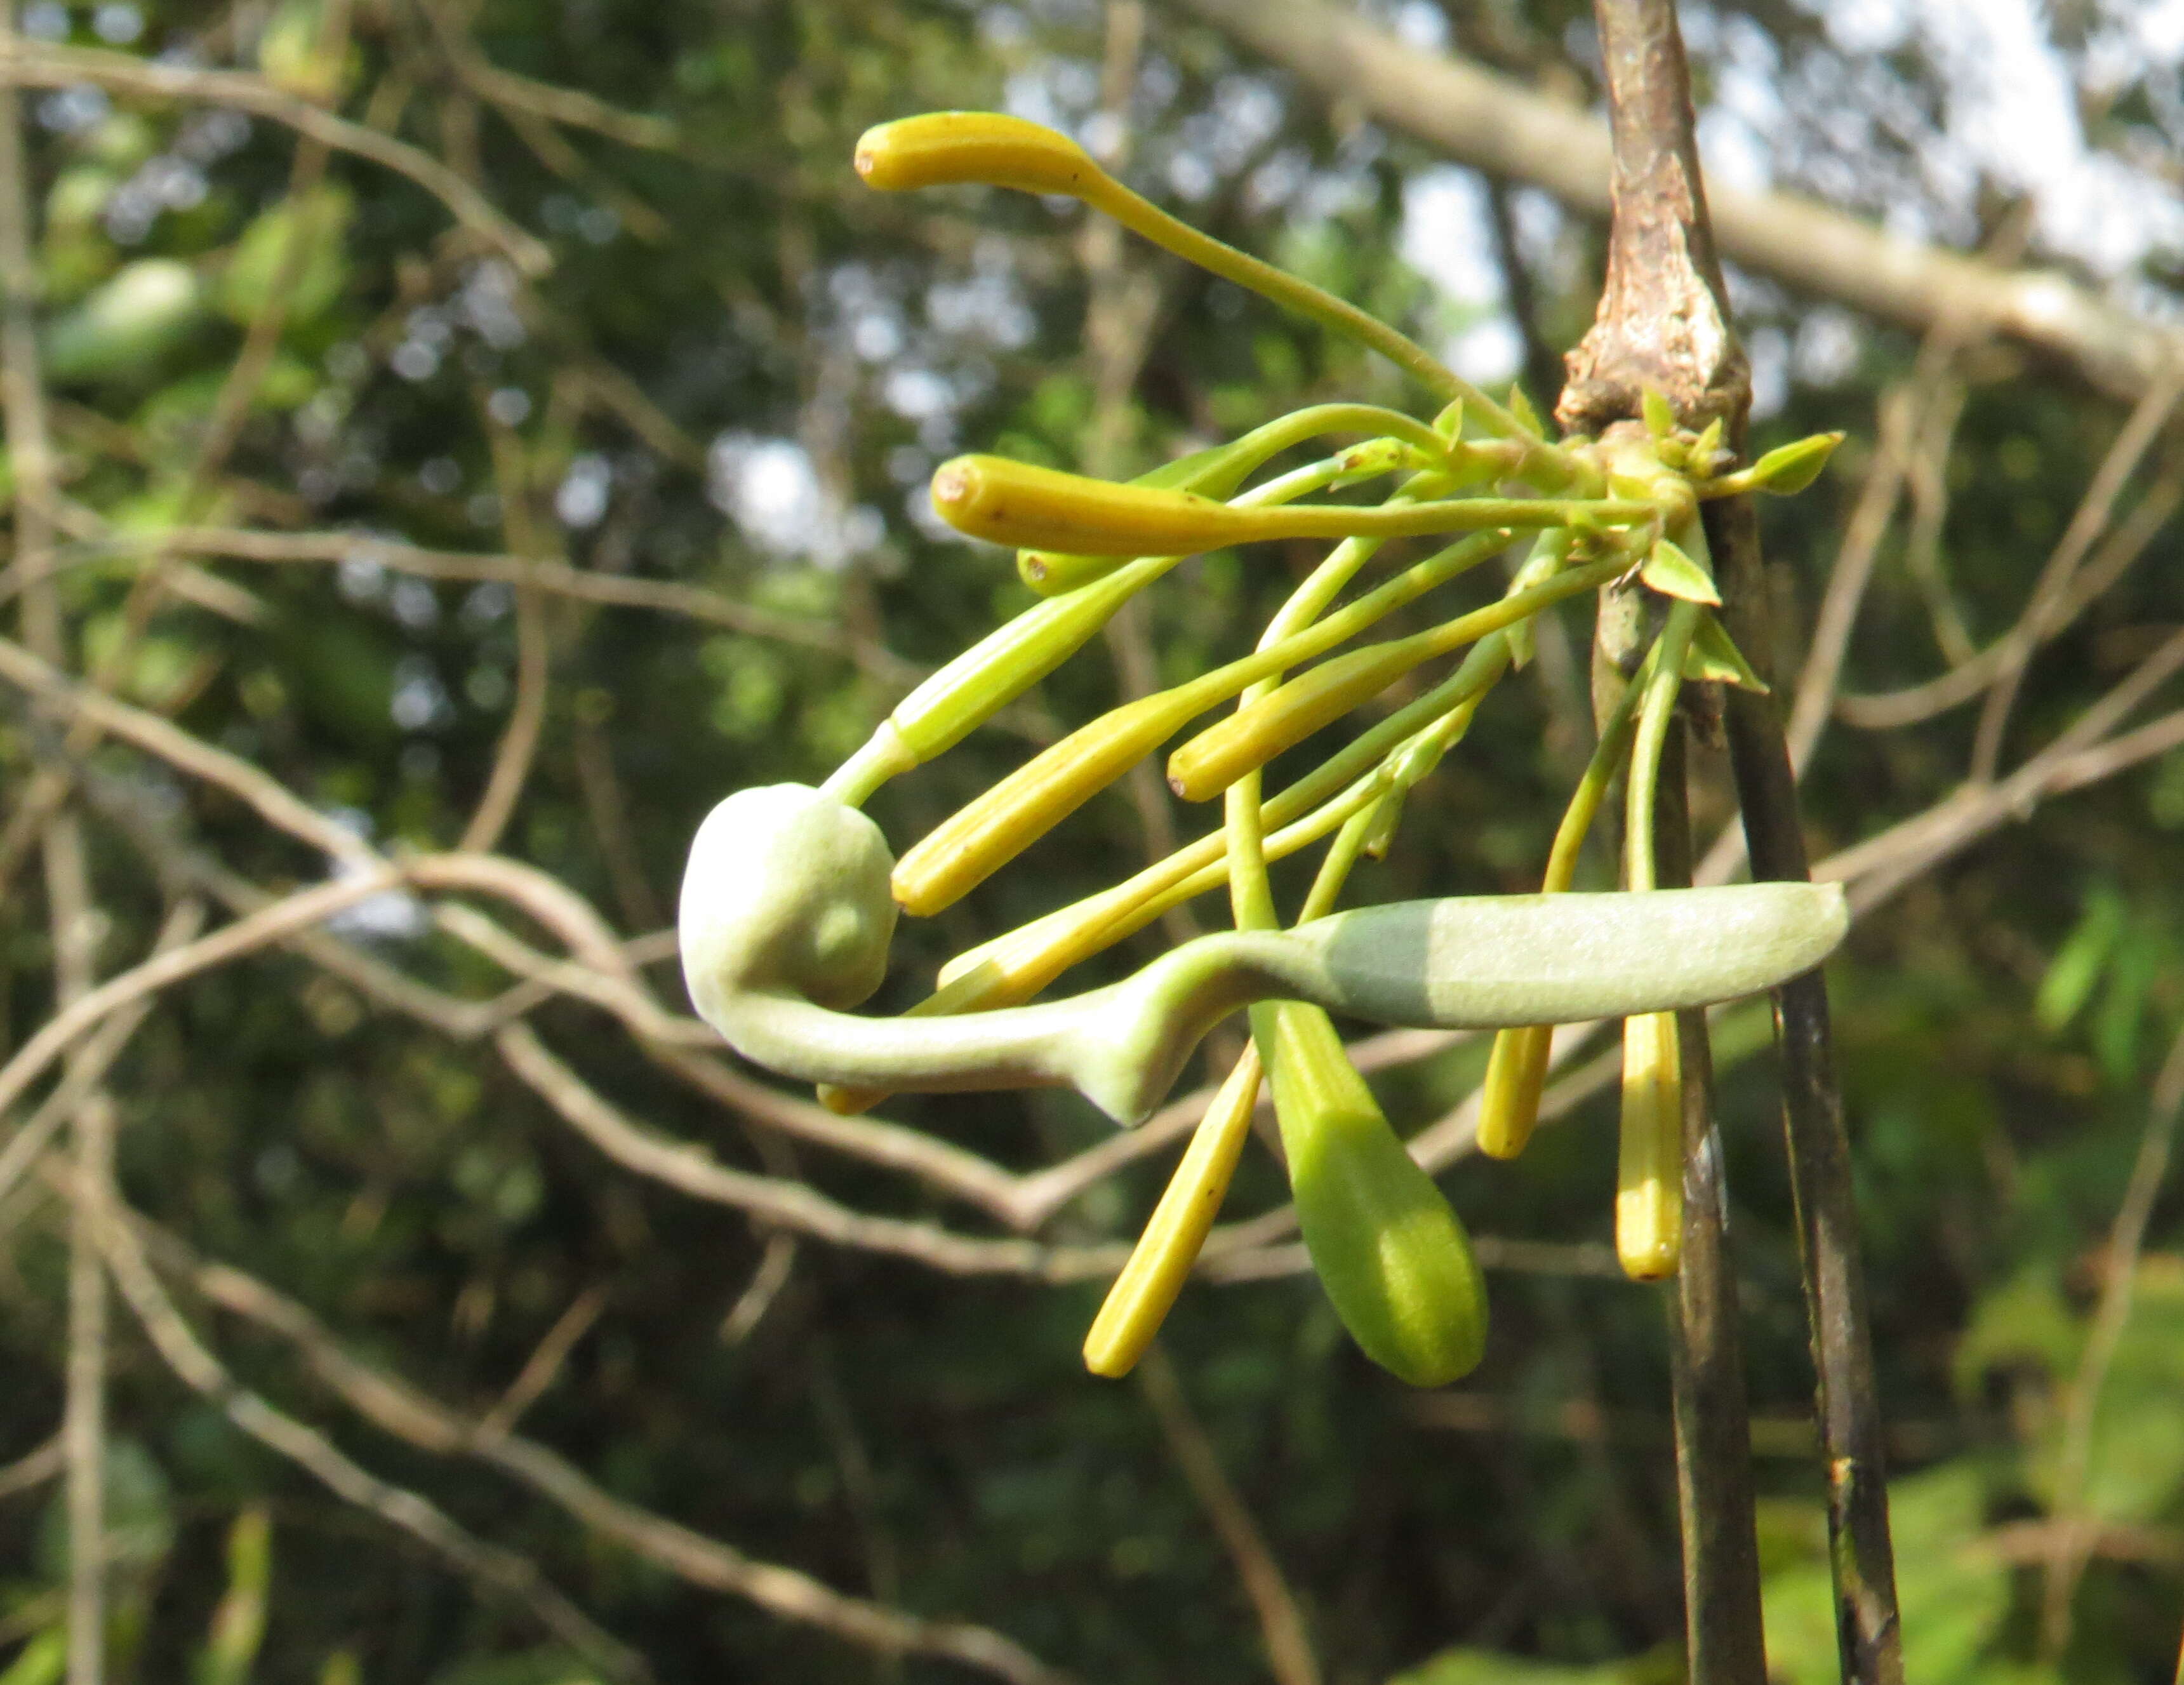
(32, 1470)
(394, 1405)
(25, 65)
(1289, 1656)
(502, 1571)
(555, 579)
(789, 1205)
(1495, 125)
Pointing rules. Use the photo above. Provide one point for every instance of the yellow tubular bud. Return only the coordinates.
(975, 842)
(1045, 510)
(1219, 471)
(1649, 1179)
(1258, 731)
(1029, 507)
(1143, 1294)
(1261, 729)
(1509, 1099)
(1391, 1253)
(946, 148)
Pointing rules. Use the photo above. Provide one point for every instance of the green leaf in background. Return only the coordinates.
(549, 1667)
(2078, 964)
(1954, 1592)
(127, 323)
(238, 1623)
(1489, 1667)
(2136, 1471)
(43, 1662)
(323, 220)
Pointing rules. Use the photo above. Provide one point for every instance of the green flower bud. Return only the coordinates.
(1391, 1255)
(1785, 470)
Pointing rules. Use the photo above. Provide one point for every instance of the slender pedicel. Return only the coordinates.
(1260, 730)
(954, 146)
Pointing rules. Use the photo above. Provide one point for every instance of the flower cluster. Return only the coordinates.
(1481, 476)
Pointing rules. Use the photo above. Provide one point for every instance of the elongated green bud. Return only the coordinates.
(968, 847)
(1788, 469)
(1395, 1263)
(1032, 508)
(1649, 1172)
(947, 148)
(1146, 1289)
(1257, 732)
(1007, 662)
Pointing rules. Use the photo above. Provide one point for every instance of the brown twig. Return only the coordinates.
(1662, 327)
(518, 749)
(44, 66)
(1496, 124)
(545, 1364)
(502, 1571)
(1289, 1649)
(555, 578)
(33, 1468)
(393, 1404)
(69, 902)
(1863, 1558)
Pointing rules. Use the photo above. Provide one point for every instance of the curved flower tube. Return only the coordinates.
(786, 918)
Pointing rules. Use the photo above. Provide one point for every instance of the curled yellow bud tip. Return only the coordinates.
(945, 148)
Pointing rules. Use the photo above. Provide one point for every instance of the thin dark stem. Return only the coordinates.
(1723, 1632)
(1722, 1624)
(1848, 1403)
(1662, 325)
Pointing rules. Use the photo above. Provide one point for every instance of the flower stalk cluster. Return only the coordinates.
(1480, 477)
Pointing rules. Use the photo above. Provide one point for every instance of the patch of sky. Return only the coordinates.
(581, 499)
(1447, 235)
(771, 490)
(390, 915)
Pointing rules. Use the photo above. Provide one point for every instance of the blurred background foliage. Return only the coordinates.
(735, 374)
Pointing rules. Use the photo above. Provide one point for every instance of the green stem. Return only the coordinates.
(1655, 709)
